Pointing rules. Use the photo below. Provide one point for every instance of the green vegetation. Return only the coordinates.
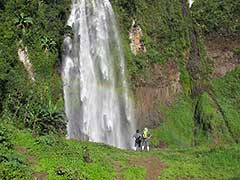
(12, 164)
(205, 163)
(227, 94)
(32, 122)
(166, 36)
(217, 16)
(177, 129)
(236, 51)
(26, 157)
(211, 116)
(39, 26)
(210, 125)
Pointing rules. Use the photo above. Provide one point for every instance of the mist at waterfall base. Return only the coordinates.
(191, 2)
(96, 95)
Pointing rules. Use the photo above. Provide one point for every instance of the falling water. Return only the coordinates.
(190, 2)
(96, 93)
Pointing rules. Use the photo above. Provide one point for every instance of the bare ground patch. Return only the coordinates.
(39, 175)
(152, 164)
(118, 169)
(31, 160)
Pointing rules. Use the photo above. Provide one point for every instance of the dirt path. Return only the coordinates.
(118, 169)
(32, 161)
(23, 150)
(152, 164)
(39, 175)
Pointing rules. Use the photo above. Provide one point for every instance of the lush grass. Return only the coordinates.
(55, 153)
(12, 164)
(205, 163)
(177, 129)
(227, 91)
(63, 159)
(210, 124)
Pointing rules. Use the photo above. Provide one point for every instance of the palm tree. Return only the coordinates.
(48, 44)
(23, 22)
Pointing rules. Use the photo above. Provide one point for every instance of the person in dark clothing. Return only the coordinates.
(138, 139)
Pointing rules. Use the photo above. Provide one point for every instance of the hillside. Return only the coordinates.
(183, 70)
(52, 157)
(189, 54)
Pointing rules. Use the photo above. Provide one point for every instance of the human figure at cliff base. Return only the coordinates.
(145, 138)
(138, 138)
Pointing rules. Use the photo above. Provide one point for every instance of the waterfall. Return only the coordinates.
(96, 95)
(190, 2)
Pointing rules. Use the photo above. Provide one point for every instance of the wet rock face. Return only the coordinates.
(220, 49)
(162, 88)
(23, 57)
(135, 35)
(194, 61)
(185, 8)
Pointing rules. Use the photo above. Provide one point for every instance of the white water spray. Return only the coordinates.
(96, 93)
(191, 2)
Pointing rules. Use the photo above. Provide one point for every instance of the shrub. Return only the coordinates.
(36, 112)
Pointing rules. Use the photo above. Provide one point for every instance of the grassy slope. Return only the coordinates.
(50, 154)
(176, 131)
(227, 91)
(210, 124)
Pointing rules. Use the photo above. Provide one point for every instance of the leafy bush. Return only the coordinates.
(215, 15)
(39, 26)
(36, 112)
(12, 166)
(5, 137)
(46, 140)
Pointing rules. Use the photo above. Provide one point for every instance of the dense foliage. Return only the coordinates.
(12, 165)
(165, 32)
(39, 26)
(217, 16)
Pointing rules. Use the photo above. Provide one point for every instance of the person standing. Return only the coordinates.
(145, 138)
(138, 138)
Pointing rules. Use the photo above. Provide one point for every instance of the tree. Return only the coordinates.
(48, 44)
(23, 22)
